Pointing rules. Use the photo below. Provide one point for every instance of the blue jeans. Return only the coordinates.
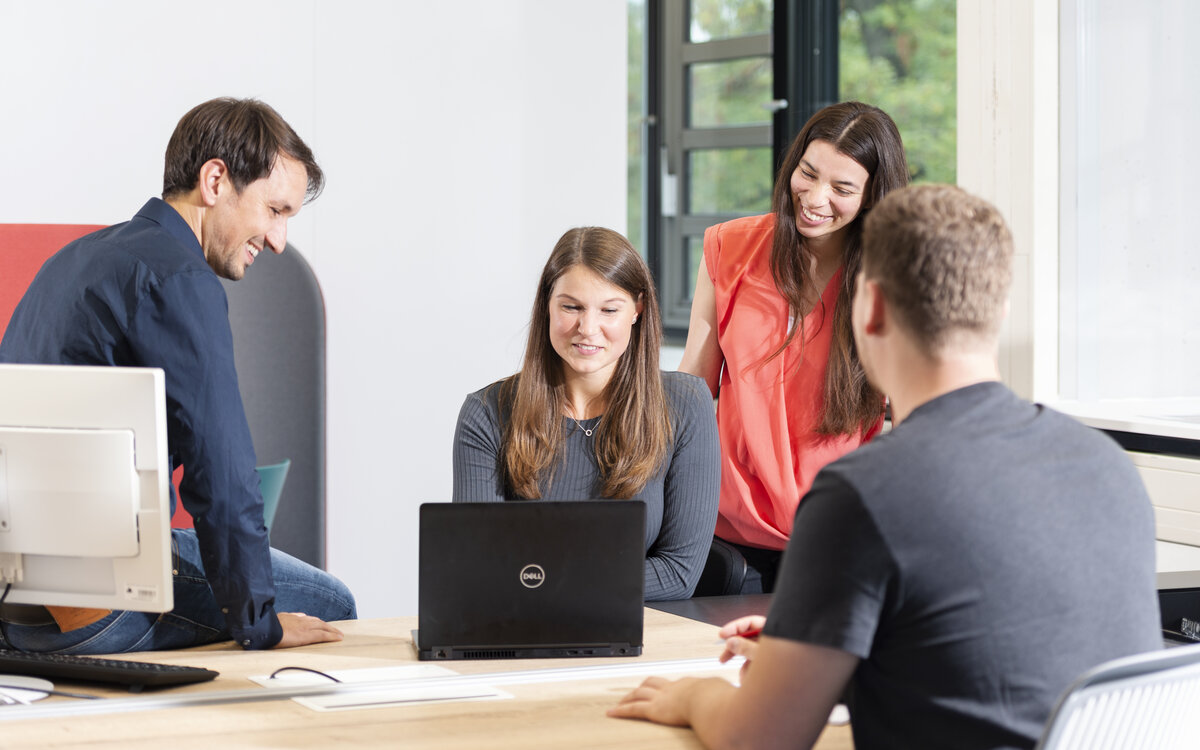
(196, 618)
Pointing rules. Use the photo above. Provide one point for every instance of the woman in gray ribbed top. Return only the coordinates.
(590, 415)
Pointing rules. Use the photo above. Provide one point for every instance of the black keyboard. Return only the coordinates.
(72, 667)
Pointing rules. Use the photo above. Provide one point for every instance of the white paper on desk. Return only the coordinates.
(402, 696)
(383, 698)
(294, 677)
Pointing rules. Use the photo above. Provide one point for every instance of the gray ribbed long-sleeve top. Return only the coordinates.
(681, 499)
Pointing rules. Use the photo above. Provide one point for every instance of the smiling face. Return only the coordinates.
(827, 191)
(239, 226)
(591, 321)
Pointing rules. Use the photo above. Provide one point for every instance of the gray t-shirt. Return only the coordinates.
(681, 499)
(978, 558)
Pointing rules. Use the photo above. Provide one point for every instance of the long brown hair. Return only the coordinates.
(634, 435)
(868, 136)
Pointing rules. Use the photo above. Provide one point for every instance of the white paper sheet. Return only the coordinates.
(385, 697)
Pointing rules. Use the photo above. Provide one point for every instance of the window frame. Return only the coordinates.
(803, 46)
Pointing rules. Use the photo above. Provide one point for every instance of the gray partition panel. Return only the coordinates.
(278, 318)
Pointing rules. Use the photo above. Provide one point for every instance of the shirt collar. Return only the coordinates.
(160, 212)
(960, 399)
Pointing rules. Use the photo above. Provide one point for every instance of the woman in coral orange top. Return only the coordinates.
(770, 328)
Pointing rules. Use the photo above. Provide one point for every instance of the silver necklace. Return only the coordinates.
(586, 431)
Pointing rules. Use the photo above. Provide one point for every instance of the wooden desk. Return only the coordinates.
(541, 715)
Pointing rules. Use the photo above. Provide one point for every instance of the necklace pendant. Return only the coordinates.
(586, 431)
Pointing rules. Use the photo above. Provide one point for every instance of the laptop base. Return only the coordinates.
(585, 651)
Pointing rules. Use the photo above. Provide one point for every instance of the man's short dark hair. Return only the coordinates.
(943, 259)
(246, 134)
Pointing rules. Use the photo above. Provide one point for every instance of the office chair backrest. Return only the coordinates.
(1149, 701)
(724, 571)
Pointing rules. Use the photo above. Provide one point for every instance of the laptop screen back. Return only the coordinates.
(537, 577)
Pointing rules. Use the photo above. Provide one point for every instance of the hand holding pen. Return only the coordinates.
(741, 639)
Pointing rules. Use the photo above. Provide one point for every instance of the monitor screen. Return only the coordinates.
(84, 503)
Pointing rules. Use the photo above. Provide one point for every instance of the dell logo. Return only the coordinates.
(532, 576)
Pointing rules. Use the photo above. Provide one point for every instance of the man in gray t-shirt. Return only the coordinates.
(960, 571)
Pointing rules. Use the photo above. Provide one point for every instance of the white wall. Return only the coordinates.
(1129, 265)
(1008, 154)
(459, 141)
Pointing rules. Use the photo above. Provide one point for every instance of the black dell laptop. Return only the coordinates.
(530, 579)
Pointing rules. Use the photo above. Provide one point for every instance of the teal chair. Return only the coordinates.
(270, 481)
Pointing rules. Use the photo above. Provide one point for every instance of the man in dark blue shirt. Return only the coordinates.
(146, 293)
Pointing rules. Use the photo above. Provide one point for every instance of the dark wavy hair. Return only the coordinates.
(246, 134)
(633, 437)
(868, 136)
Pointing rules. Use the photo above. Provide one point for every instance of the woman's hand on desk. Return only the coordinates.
(300, 629)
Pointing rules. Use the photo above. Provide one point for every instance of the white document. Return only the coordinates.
(408, 693)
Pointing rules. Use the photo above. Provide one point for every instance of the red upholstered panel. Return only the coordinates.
(23, 250)
(182, 519)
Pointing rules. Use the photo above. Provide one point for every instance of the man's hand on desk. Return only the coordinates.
(300, 630)
(665, 702)
(741, 639)
(783, 702)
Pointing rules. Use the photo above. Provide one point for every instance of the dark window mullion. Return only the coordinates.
(806, 64)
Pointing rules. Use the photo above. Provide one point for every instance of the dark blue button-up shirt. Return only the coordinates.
(140, 294)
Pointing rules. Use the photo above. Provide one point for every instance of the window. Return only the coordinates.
(900, 55)
(715, 112)
(1078, 120)
(1128, 268)
(1128, 349)
(719, 88)
(637, 124)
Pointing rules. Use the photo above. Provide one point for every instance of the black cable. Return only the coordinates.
(3, 629)
(305, 669)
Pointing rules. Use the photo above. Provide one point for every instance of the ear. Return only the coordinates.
(639, 304)
(875, 305)
(213, 179)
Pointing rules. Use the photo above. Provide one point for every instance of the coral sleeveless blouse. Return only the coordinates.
(767, 412)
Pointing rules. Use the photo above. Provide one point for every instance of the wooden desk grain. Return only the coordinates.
(541, 715)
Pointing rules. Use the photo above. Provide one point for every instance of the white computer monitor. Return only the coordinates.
(84, 503)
